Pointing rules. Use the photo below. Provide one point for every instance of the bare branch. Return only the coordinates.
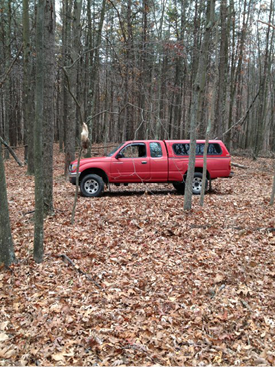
(242, 120)
(11, 151)
(11, 66)
(267, 24)
(71, 93)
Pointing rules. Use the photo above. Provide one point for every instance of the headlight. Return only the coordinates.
(73, 167)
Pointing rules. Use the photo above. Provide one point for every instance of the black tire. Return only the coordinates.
(91, 186)
(179, 186)
(197, 183)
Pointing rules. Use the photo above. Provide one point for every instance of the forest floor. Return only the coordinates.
(151, 284)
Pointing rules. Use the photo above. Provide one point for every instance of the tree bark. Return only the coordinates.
(273, 192)
(38, 129)
(28, 123)
(211, 114)
(261, 119)
(72, 73)
(195, 107)
(7, 256)
(220, 116)
(48, 127)
(94, 76)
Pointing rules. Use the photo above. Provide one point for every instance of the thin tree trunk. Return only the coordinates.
(273, 192)
(211, 114)
(7, 255)
(38, 128)
(8, 94)
(72, 41)
(197, 91)
(28, 125)
(48, 127)
(95, 74)
(263, 91)
(220, 116)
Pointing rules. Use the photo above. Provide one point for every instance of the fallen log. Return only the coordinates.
(238, 165)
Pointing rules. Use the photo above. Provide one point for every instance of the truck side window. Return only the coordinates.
(134, 151)
(214, 149)
(183, 149)
(155, 150)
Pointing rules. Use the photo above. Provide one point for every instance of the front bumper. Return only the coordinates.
(72, 177)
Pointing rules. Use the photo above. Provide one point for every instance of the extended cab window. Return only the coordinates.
(183, 149)
(134, 151)
(155, 150)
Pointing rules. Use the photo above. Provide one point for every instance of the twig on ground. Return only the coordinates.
(246, 305)
(64, 257)
(29, 212)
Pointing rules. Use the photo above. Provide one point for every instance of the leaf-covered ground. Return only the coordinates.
(159, 286)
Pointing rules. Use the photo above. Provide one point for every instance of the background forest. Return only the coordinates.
(136, 280)
(128, 69)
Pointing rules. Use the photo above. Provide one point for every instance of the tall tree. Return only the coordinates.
(49, 93)
(220, 115)
(273, 192)
(7, 255)
(28, 123)
(73, 33)
(198, 87)
(94, 77)
(263, 101)
(38, 129)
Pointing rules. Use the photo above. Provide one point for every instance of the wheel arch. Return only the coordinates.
(200, 170)
(95, 171)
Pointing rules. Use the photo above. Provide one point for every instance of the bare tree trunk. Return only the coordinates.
(70, 128)
(38, 129)
(28, 124)
(48, 127)
(195, 108)
(273, 192)
(8, 94)
(95, 74)
(263, 91)
(211, 114)
(220, 115)
(7, 256)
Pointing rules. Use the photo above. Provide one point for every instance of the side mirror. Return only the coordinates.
(119, 155)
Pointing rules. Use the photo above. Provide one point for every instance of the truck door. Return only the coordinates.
(133, 164)
(159, 162)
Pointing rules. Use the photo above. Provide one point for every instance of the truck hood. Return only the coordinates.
(91, 160)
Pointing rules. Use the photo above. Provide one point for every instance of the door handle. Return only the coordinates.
(144, 162)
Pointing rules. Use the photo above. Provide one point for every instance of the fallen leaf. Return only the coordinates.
(3, 337)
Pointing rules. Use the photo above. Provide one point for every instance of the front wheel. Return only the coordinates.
(91, 186)
(197, 183)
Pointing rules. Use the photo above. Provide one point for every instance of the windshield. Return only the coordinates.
(113, 151)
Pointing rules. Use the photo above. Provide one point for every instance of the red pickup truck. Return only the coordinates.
(154, 161)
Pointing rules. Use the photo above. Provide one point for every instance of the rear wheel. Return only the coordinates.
(92, 186)
(197, 183)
